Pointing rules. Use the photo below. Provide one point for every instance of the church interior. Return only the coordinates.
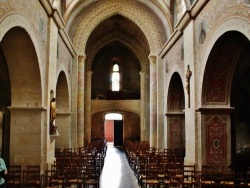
(152, 77)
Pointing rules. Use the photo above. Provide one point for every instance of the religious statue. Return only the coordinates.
(53, 128)
(188, 75)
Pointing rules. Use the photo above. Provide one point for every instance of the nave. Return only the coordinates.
(116, 172)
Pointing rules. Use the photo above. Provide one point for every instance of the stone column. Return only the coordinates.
(153, 101)
(143, 126)
(190, 116)
(80, 101)
(199, 149)
(88, 116)
(160, 104)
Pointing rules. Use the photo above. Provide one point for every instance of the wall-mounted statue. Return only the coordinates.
(53, 128)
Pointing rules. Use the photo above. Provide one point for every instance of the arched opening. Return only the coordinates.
(240, 100)
(63, 120)
(131, 125)
(116, 40)
(5, 101)
(225, 95)
(113, 128)
(115, 53)
(175, 115)
(26, 97)
(116, 77)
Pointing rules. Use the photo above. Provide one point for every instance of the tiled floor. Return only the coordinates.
(116, 172)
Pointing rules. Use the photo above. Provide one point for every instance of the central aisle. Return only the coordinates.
(116, 172)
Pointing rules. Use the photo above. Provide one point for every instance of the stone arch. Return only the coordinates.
(63, 120)
(234, 24)
(99, 106)
(124, 8)
(62, 93)
(63, 71)
(24, 72)
(226, 64)
(131, 124)
(135, 47)
(17, 20)
(26, 90)
(176, 94)
(172, 68)
(175, 115)
(220, 68)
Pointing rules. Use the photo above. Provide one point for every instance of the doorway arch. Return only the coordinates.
(131, 125)
(225, 68)
(26, 97)
(113, 128)
(63, 120)
(175, 115)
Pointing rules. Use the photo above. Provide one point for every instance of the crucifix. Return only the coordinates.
(188, 75)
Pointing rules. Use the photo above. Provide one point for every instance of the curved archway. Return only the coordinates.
(106, 10)
(63, 120)
(23, 68)
(5, 102)
(225, 69)
(239, 100)
(115, 31)
(131, 124)
(26, 95)
(229, 25)
(175, 115)
(117, 38)
(129, 68)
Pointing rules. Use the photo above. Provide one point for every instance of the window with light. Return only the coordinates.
(115, 78)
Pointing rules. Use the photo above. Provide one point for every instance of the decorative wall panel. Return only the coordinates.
(216, 139)
(176, 126)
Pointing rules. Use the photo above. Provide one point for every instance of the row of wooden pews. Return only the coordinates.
(78, 167)
(154, 168)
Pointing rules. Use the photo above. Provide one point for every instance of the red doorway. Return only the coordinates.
(113, 129)
(109, 130)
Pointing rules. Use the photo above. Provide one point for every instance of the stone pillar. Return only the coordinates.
(88, 115)
(80, 102)
(199, 149)
(160, 104)
(153, 101)
(143, 126)
(51, 82)
(190, 116)
(74, 105)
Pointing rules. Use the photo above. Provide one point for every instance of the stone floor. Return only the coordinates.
(116, 172)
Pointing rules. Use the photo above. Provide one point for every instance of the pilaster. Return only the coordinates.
(88, 115)
(142, 120)
(80, 101)
(153, 101)
(190, 128)
(160, 104)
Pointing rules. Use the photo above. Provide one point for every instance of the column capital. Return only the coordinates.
(89, 73)
(81, 54)
(152, 57)
(81, 58)
(142, 72)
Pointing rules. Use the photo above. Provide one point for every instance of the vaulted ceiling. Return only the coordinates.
(141, 26)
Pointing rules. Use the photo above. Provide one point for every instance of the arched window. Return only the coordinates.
(115, 78)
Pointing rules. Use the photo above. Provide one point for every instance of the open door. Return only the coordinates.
(118, 132)
(109, 130)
